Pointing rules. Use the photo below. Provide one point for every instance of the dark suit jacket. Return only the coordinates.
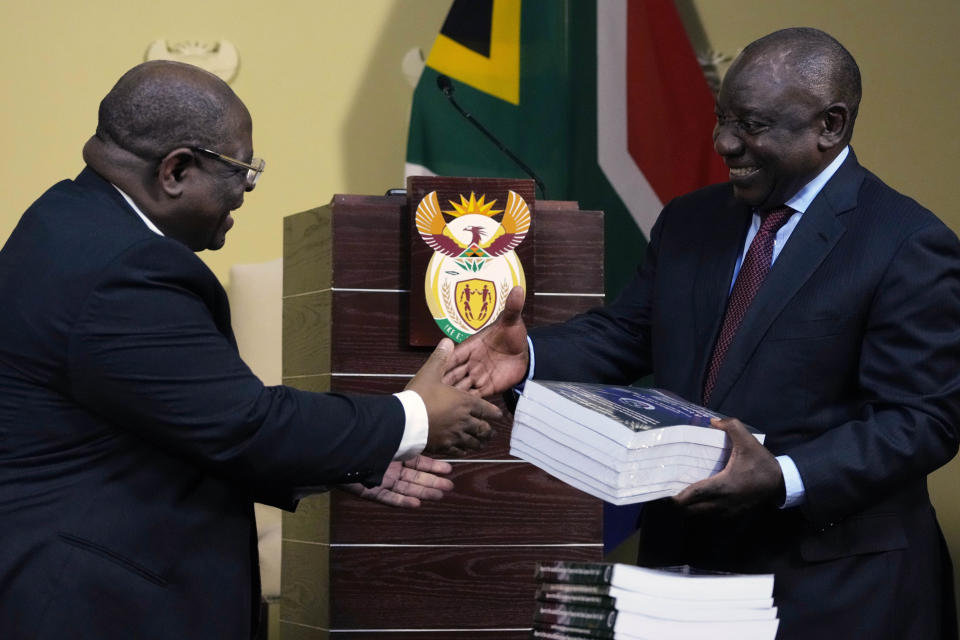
(133, 439)
(848, 359)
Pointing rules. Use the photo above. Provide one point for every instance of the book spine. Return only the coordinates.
(547, 593)
(546, 631)
(574, 572)
(576, 616)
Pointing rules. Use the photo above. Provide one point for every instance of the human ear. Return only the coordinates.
(835, 123)
(174, 171)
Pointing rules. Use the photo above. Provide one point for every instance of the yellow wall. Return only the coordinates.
(330, 105)
(322, 79)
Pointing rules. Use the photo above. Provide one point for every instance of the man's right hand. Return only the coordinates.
(458, 421)
(496, 358)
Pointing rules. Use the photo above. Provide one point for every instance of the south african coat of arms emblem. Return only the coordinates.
(474, 264)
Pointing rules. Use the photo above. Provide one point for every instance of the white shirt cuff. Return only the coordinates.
(416, 427)
(792, 482)
(533, 359)
(518, 388)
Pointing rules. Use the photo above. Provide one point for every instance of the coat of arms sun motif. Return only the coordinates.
(474, 265)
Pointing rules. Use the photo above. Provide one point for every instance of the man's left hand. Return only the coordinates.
(406, 483)
(752, 477)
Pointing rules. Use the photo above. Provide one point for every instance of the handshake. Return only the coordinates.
(458, 420)
(452, 383)
(453, 380)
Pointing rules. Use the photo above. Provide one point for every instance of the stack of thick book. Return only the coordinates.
(622, 602)
(620, 444)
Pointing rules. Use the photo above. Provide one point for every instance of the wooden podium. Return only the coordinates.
(461, 568)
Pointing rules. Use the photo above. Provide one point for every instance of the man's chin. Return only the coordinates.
(217, 243)
(220, 235)
(750, 197)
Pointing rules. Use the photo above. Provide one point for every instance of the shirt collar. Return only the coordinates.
(134, 206)
(805, 196)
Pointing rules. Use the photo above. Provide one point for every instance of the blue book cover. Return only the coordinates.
(636, 408)
(633, 416)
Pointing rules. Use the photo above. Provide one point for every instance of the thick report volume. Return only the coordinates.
(677, 582)
(623, 602)
(620, 444)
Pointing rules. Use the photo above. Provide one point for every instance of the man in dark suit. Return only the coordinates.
(846, 354)
(133, 439)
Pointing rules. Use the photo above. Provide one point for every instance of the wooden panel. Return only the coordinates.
(293, 631)
(305, 578)
(421, 634)
(369, 248)
(306, 334)
(569, 251)
(552, 309)
(369, 384)
(311, 521)
(539, 509)
(554, 205)
(307, 251)
(307, 278)
(366, 204)
(318, 383)
(304, 565)
(369, 337)
(369, 331)
(366, 327)
(439, 587)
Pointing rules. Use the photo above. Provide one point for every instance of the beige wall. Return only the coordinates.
(330, 105)
(322, 79)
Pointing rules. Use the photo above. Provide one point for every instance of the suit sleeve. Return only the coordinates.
(608, 344)
(148, 355)
(909, 379)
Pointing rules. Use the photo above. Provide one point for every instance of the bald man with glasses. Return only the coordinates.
(133, 439)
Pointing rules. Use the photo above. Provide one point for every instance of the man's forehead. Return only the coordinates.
(757, 79)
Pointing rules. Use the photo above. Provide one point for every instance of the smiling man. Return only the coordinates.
(133, 438)
(810, 300)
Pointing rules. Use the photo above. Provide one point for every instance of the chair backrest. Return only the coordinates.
(256, 301)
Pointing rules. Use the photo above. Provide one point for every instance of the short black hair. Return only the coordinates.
(161, 105)
(823, 64)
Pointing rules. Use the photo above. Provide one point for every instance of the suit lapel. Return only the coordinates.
(722, 243)
(817, 233)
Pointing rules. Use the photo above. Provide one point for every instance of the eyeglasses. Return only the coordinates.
(254, 168)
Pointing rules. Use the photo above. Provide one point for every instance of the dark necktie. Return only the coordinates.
(753, 271)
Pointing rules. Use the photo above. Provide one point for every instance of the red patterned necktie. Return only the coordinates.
(753, 271)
